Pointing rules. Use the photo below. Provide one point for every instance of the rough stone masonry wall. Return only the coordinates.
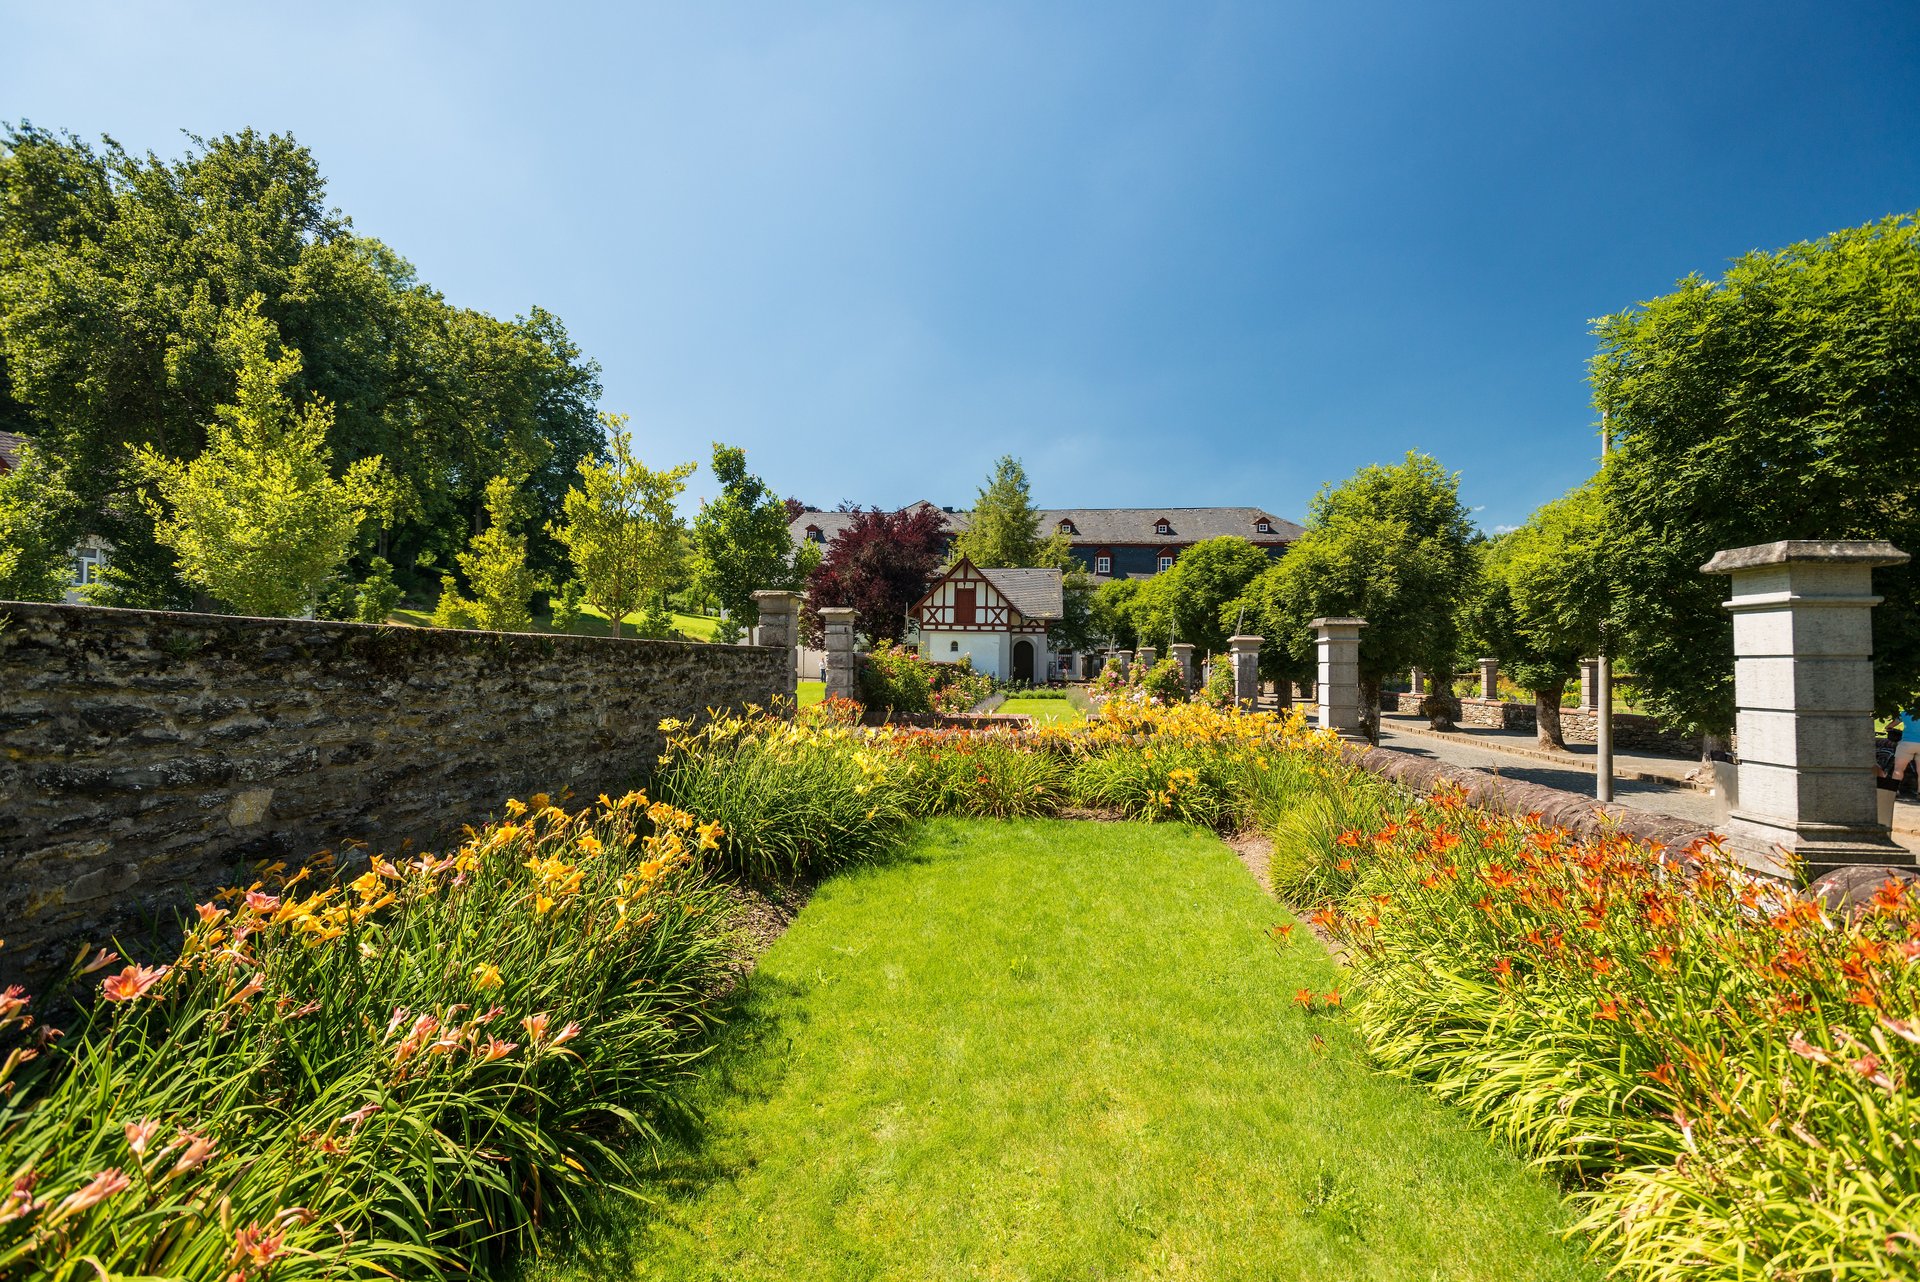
(148, 757)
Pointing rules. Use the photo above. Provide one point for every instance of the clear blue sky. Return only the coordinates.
(1168, 254)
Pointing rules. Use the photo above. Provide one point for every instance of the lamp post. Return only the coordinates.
(1603, 678)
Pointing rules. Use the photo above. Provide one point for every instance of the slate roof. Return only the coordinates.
(1106, 525)
(1038, 594)
(10, 443)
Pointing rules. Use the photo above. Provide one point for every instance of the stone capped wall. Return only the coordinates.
(148, 757)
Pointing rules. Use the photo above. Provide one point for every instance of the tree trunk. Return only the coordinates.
(1437, 707)
(1546, 716)
(1370, 709)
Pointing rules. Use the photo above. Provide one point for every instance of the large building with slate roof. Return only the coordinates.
(1112, 542)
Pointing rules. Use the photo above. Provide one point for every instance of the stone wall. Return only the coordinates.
(149, 756)
(1631, 731)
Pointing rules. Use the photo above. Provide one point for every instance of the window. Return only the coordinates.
(1068, 527)
(953, 647)
(1263, 525)
(814, 535)
(87, 565)
(1103, 564)
(1166, 561)
(1162, 526)
(963, 606)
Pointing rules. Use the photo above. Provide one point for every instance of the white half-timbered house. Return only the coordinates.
(996, 618)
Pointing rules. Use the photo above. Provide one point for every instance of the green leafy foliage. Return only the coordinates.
(120, 276)
(497, 573)
(1003, 530)
(740, 539)
(1779, 402)
(1389, 545)
(1190, 602)
(378, 594)
(622, 530)
(257, 519)
(39, 521)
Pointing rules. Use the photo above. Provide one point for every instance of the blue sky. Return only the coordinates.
(1169, 254)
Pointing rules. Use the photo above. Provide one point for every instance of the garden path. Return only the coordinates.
(1064, 1050)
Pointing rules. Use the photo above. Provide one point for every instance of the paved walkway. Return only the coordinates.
(1642, 781)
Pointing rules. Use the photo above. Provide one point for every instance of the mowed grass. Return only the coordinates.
(1043, 711)
(809, 693)
(1058, 1050)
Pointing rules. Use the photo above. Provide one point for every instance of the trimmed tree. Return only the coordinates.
(495, 565)
(1779, 402)
(1003, 530)
(740, 541)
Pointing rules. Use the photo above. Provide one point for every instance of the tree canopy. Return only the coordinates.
(1389, 545)
(1189, 601)
(119, 275)
(1779, 402)
(621, 529)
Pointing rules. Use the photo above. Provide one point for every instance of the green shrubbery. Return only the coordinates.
(896, 681)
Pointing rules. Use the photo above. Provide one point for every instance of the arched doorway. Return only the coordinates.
(1023, 661)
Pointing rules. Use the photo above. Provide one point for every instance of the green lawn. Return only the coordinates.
(811, 692)
(1056, 1050)
(592, 623)
(1043, 711)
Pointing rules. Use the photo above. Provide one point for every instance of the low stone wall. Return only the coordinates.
(1577, 813)
(1495, 714)
(1631, 731)
(150, 756)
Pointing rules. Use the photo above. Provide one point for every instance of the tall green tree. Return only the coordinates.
(1539, 600)
(741, 543)
(621, 528)
(1188, 601)
(120, 273)
(1112, 613)
(257, 519)
(1390, 545)
(1781, 401)
(1003, 530)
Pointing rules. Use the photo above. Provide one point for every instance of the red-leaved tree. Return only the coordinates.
(880, 565)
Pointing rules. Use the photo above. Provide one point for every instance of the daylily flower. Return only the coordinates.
(134, 981)
(97, 1190)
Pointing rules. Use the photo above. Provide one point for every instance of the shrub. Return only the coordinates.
(1219, 689)
(378, 595)
(993, 775)
(1166, 683)
(567, 605)
(895, 681)
(397, 1074)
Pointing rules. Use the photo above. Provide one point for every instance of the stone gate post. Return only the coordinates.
(1338, 641)
(1148, 656)
(1489, 678)
(1183, 654)
(842, 677)
(779, 612)
(1417, 683)
(1245, 654)
(1122, 659)
(1803, 691)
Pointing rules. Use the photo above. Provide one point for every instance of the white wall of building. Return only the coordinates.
(990, 651)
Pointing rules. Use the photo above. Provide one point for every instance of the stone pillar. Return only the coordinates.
(1245, 654)
(1121, 660)
(1417, 683)
(842, 676)
(1803, 690)
(1489, 678)
(1148, 656)
(1338, 641)
(779, 613)
(1589, 685)
(1183, 654)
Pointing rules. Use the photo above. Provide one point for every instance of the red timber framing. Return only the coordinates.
(965, 601)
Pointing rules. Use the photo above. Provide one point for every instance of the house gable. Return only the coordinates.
(965, 600)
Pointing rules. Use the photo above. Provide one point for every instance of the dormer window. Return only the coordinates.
(1067, 527)
(814, 534)
(1163, 526)
(1263, 525)
(1103, 561)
